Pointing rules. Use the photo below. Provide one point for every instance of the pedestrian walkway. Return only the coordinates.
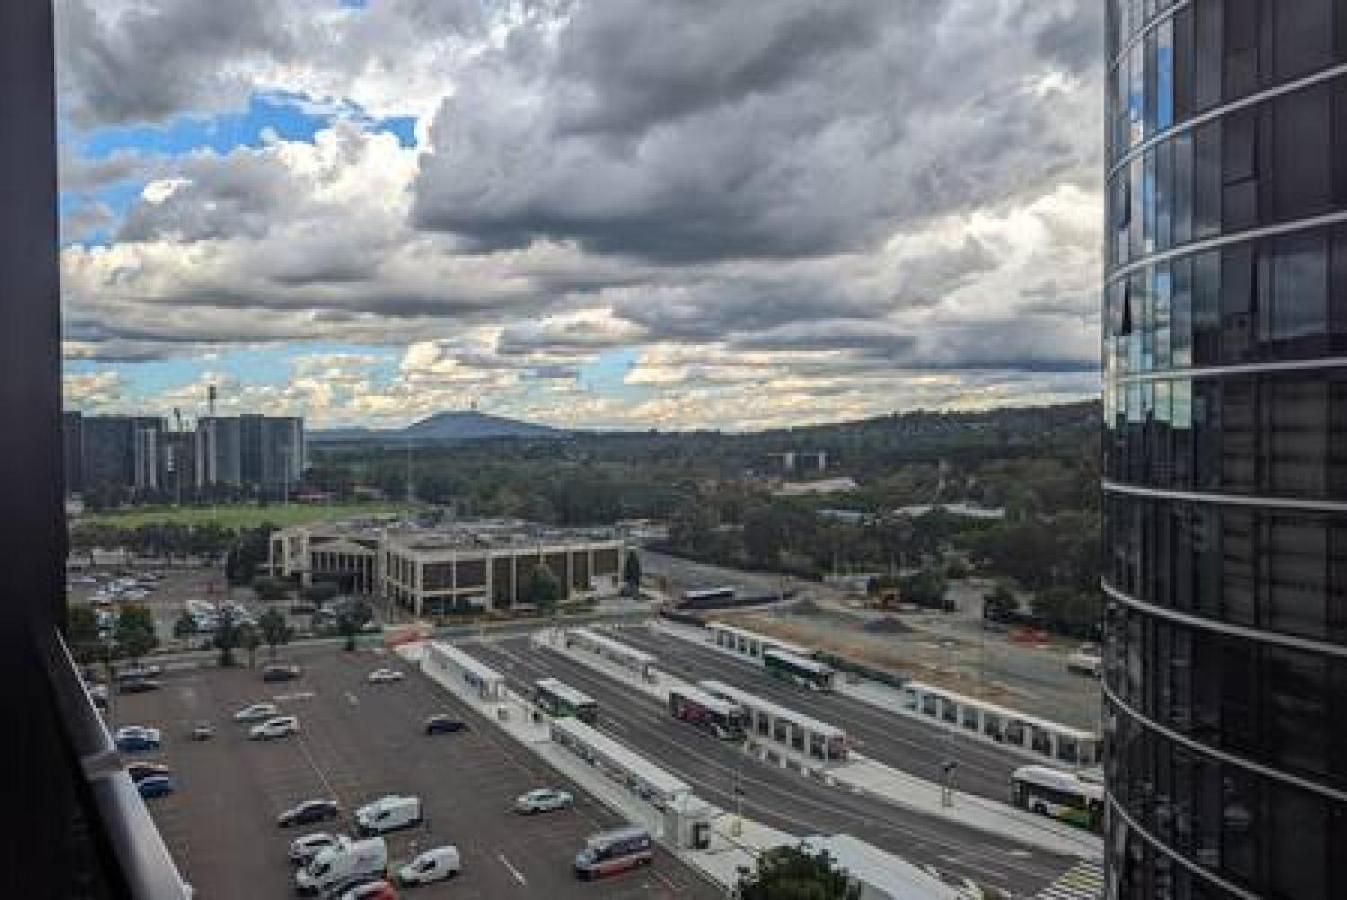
(1083, 881)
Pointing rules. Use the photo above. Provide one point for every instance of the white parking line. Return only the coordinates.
(352, 699)
(518, 876)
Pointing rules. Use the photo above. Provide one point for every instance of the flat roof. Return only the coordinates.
(630, 762)
(616, 647)
(466, 662)
(744, 698)
(1004, 711)
(757, 636)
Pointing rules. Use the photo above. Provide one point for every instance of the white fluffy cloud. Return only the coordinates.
(782, 211)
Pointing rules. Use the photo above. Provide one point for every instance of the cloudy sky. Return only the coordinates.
(605, 213)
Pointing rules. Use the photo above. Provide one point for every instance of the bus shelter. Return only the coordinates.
(614, 651)
(1047, 740)
(775, 724)
(643, 778)
(750, 643)
(450, 660)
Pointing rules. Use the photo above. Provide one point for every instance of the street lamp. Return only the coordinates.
(947, 782)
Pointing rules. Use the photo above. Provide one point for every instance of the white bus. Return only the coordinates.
(799, 670)
(1059, 795)
(560, 699)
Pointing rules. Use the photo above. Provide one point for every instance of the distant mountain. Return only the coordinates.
(458, 425)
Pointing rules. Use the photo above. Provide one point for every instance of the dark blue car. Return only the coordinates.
(444, 725)
(155, 786)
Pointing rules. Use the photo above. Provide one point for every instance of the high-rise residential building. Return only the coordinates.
(1225, 461)
(262, 451)
(113, 451)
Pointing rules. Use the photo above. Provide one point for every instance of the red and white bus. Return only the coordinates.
(721, 717)
(614, 851)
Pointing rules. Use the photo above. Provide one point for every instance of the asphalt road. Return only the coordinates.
(359, 742)
(905, 744)
(773, 796)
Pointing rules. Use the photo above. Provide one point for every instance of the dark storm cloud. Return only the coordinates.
(218, 197)
(684, 132)
(877, 338)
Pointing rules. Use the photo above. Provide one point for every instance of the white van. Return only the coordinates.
(340, 863)
(432, 865)
(278, 727)
(388, 814)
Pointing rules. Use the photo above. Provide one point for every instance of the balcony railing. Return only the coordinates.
(136, 859)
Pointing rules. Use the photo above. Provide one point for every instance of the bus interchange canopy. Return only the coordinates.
(642, 777)
(785, 727)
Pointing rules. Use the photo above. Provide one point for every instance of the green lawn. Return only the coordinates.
(243, 516)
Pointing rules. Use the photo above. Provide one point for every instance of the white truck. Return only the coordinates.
(388, 814)
(342, 862)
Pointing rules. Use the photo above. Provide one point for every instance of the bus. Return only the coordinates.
(560, 699)
(708, 596)
(614, 851)
(1060, 795)
(721, 717)
(808, 673)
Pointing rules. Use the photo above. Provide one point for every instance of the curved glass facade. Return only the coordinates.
(1225, 449)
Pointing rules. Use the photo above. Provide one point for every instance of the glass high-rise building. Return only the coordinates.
(1225, 450)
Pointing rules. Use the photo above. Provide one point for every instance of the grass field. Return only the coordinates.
(243, 516)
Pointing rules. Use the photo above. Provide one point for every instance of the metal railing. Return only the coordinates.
(140, 860)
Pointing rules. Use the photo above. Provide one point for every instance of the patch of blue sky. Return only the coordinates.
(289, 116)
(607, 373)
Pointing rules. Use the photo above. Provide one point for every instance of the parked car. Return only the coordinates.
(1087, 659)
(370, 890)
(137, 738)
(281, 673)
(138, 686)
(381, 676)
(441, 724)
(389, 813)
(258, 712)
(432, 865)
(305, 848)
(139, 771)
(138, 672)
(308, 812)
(543, 800)
(279, 727)
(155, 786)
(202, 731)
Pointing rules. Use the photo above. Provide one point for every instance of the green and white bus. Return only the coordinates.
(799, 670)
(560, 699)
(1060, 795)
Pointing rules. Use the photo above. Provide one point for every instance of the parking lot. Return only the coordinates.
(360, 741)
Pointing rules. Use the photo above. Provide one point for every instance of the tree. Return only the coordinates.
(542, 590)
(796, 873)
(1069, 611)
(353, 616)
(250, 640)
(764, 536)
(275, 630)
(271, 590)
(999, 603)
(82, 635)
(631, 572)
(135, 635)
(925, 588)
(226, 637)
(318, 593)
(185, 626)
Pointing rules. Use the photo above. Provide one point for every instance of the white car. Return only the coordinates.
(279, 727)
(303, 849)
(543, 800)
(258, 712)
(138, 732)
(432, 865)
(380, 676)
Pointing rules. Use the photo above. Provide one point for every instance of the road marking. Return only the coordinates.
(304, 747)
(518, 876)
(298, 695)
(352, 699)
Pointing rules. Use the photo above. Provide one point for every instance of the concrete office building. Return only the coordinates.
(481, 564)
(116, 451)
(1225, 460)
